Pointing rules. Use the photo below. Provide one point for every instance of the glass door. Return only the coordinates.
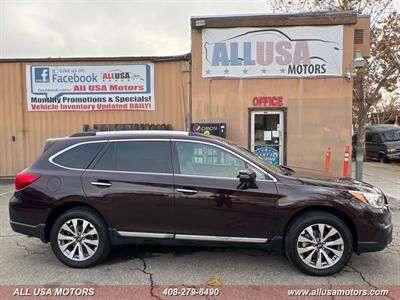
(267, 135)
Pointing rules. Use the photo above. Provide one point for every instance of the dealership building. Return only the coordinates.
(277, 84)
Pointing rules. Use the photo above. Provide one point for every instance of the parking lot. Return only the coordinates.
(27, 261)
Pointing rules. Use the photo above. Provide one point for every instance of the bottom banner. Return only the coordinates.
(230, 292)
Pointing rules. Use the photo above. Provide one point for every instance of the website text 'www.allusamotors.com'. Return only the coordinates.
(337, 292)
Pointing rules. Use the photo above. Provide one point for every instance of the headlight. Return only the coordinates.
(391, 149)
(371, 198)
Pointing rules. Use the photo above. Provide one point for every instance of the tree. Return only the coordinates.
(382, 69)
(386, 110)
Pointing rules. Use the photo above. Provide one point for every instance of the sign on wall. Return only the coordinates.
(299, 51)
(270, 154)
(90, 87)
(217, 129)
(267, 101)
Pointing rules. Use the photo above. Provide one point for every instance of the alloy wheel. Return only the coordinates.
(320, 246)
(78, 239)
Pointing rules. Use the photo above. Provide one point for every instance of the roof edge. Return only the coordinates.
(102, 58)
(275, 20)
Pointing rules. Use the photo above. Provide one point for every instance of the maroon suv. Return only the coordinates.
(93, 190)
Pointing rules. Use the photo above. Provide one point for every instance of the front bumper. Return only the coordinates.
(30, 230)
(375, 230)
(393, 156)
(382, 239)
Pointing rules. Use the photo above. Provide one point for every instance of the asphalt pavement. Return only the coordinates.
(28, 261)
(382, 175)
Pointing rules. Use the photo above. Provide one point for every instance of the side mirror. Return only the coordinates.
(247, 175)
(247, 179)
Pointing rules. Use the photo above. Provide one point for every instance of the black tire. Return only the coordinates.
(303, 221)
(383, 159)
(90, 215)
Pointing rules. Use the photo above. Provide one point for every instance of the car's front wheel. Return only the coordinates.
(318, 243)
(79, 238)
(383, 159)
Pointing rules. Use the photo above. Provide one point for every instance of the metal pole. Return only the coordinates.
(359, 162)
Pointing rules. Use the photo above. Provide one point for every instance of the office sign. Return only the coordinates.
(297, 51)
(267, 101)
(90, 87)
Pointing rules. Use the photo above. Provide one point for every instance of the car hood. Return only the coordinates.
(393, 144)
(319, 178)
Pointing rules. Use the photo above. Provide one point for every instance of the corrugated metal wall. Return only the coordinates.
(23, 133)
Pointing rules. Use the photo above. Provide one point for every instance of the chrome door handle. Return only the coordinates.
(187, 191)
(102, 184)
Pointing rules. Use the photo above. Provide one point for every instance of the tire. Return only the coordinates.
(83, 253)
(298, 231)
(383, 159)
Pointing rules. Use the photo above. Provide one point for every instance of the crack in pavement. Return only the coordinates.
(392, 251)
(29, 251)
(330, 288)
(364, 279)
(144, 270)
(362, 276)
(11, 235)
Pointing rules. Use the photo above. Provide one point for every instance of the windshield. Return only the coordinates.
(391, 136)
(252, 156)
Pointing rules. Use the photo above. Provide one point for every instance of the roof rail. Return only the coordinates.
(141, 132)
(85, 133)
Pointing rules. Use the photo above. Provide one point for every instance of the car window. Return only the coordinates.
(137, 156)
(107, 160)
(79, 157)
(391, 136)
(207, 160)
(251, 156)
(375, 138)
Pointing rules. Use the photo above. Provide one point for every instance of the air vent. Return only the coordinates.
(358, 36)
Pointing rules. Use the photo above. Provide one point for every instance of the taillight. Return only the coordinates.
(24, 179)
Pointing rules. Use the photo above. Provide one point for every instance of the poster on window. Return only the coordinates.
(90, 87)
(297, 51)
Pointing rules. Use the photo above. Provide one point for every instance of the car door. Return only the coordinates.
(132, 184)
(372, 145)
(209, 203)
(369, 146)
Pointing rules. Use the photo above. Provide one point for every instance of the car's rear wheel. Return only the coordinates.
(318, 243)
(79, 238)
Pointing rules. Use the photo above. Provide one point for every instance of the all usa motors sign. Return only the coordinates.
(299, 51)
(90, 87)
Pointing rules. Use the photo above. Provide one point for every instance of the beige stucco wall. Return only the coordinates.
(318, 109)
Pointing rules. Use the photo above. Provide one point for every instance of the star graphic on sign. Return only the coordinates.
(283, 71)
(263, 70)
(226, 71)
(245, 71)
(208, 71)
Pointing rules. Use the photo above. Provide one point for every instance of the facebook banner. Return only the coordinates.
(90, 87)
(297, 51)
